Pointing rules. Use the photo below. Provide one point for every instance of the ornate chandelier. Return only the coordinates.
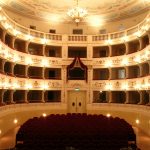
(77, 13)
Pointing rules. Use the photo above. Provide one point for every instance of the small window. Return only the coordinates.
(52, 31)
(102, 31)
(77, 31)
(121, 73)
(32, 27)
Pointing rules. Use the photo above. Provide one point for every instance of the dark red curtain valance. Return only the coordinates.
(77, 63)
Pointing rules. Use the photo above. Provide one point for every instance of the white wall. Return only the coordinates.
(23, 112)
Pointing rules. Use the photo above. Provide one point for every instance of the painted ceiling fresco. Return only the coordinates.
(108, 9)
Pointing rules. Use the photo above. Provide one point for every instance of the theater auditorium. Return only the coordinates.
(74, 75)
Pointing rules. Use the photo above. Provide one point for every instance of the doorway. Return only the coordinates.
(76, 101)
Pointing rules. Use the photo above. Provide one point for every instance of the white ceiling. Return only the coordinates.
(56, 9)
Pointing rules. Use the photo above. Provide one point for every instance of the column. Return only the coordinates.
(107, 96)
(3, 36)
(141, 70)
(110, 73)
(110, 97)
(64, 74)
(127, 48)
(149, 98)
(63, 95)
(43, 50)
(89, 80)
(12, 44)
(90, 74)
(110, 50)
(26, 71)
(12, 68)
(43, 73)
(64, 51)
(1, 96)
(11, 97)
(43, 98)
(89, 51)
(3, 63)
(127, 97)
(127, 72)
(26, 47)
(64, 82)
(141, 43)
(141, 97)
(26, 97)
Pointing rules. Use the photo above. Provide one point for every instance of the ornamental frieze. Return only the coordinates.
(21, 83)
(2, 55)
(116, 61)
(55, 84)
(10, 81)
(99, 84)
(3, 79)
(36, 84)
(55, 62)
(117, 85)
(99, 62)
(76, 84)
(21, 58)
(131, 59)
(131, 84)
(11, 56)
(36, 61)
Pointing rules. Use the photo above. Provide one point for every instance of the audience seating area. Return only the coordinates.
(75, 132)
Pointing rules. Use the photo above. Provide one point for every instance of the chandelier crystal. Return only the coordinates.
(77, 13)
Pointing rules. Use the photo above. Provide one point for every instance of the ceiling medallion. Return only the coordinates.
(77, 13)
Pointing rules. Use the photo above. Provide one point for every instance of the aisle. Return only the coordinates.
(143, 141)
(8, 140)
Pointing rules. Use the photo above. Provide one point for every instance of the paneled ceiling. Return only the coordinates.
(107, 10)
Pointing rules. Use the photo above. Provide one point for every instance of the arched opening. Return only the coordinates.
(8, 40)
(99, 97)
(8, 68)
(118, 96)
(19, 70)
(20, 45)
(52, 96)
(34, 96)
(134, 97)
(19, 96)
(7, 97)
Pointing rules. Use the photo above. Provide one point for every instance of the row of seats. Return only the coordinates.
(80, 131)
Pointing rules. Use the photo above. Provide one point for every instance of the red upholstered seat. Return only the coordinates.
(80, 131)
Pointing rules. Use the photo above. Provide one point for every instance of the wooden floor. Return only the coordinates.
(8, 140)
